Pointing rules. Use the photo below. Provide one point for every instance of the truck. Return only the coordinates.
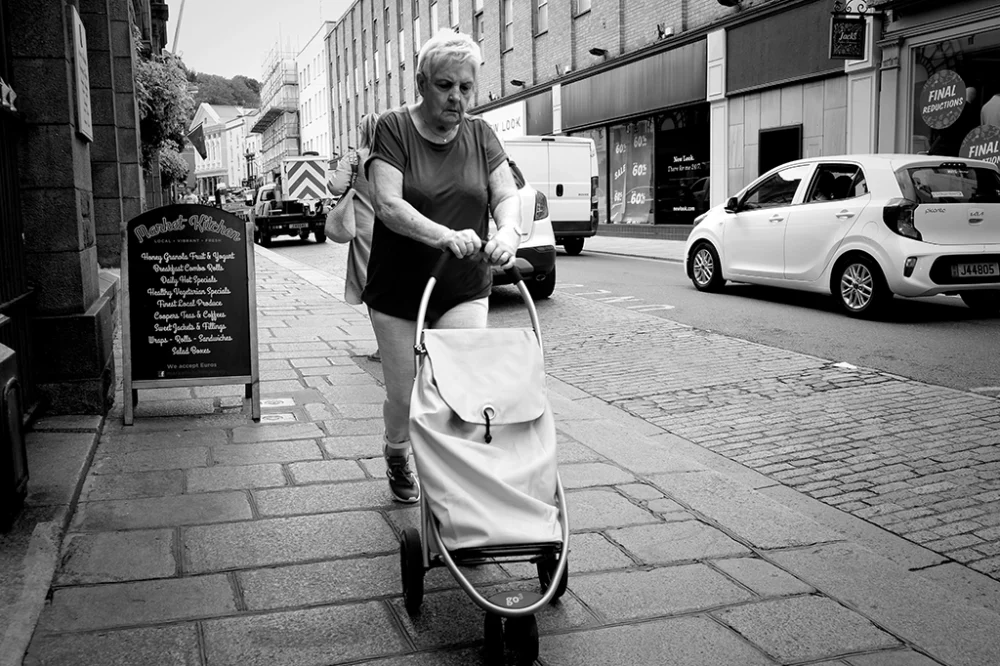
(564, 169)
(295, 204)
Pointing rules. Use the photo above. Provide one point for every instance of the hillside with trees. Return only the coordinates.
(237, 91)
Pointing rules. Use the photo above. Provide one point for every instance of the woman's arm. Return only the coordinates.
(506, 206)
(400, 216)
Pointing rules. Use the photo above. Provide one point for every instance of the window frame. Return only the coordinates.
(808, 170)
(507, 25)
(541, 15)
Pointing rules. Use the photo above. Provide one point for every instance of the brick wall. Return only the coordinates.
(620, 26)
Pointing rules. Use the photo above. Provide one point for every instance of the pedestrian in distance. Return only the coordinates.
(436, 175)
(350, 173)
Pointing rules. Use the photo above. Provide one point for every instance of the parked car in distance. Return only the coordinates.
(536, 255)
(862, 228)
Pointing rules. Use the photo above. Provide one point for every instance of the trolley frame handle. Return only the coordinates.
(436, 271)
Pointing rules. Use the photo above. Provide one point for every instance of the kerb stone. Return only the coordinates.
(116, 556)
(676, 542)
(287, 540)
(669, 590)
(129, 604)
(688, 641)
(957, 632)
(327, 635)
(805, 628)
(759, 520)
(161, 511)
(599, 509)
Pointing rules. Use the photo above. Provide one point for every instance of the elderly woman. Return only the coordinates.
(436, 175)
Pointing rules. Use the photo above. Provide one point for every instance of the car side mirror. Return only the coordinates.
(732, 205)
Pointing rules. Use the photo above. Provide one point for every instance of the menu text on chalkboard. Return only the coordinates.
(189, 300)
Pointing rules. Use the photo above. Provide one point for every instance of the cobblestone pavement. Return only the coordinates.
(921, 461)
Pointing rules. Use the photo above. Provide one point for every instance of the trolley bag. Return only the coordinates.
(484, 438)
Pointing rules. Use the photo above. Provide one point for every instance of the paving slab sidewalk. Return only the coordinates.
(201, 538)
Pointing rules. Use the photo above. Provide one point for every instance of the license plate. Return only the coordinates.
(298, 225)
(975, 270)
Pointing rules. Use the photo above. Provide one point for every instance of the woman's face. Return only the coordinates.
(447, 91)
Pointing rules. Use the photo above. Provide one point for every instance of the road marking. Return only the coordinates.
(845, 365)
(650, 308)
(592, 293)
(568, 285)
(616, 299)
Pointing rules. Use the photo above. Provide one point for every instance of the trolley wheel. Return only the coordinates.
(521, 637)
(411, 566)
(493, 652)
(546, 569)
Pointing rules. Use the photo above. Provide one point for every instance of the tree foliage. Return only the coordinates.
(173, 167)
(165, 104)
(237, 91)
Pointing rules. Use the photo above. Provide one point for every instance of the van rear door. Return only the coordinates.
(570, 165)
(958, 203)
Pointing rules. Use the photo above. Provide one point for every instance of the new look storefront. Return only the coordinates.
(652, 139)
(940, 75)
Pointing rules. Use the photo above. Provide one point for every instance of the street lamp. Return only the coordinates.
(250, 157)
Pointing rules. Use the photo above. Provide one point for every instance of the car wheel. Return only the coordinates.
(304, 235)
(541, 289)
(706, 269)
(265, 239)
(573, 246)
(859, 288)
(983, 302)
(320, 236)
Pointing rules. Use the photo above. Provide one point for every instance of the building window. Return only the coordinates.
(388, 35)
(541, 16)
(416, 34)
(368, 74)
(779, 145)
(402, 49)
(453, 13)
(507, 19)
(478, 22)
(582, 7)
(434, 17)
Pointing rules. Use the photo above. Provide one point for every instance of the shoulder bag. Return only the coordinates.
(340, 226)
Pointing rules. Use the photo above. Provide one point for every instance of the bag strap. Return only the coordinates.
(354, 172)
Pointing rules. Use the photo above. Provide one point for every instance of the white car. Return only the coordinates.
(860, 227)
(536, 254)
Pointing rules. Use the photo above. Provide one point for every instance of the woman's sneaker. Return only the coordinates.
(402, 482)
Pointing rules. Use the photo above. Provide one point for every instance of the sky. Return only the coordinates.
(230, 37)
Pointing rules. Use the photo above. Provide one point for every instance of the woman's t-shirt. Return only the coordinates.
(447, 183)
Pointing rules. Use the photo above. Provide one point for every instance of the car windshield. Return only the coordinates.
(950, 183)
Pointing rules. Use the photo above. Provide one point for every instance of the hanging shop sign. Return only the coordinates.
(942, 99)
(847, 37)
(189, 305)
(982, 143)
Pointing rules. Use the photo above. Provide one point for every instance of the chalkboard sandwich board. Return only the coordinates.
(189, 313)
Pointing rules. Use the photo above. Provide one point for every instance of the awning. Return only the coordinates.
(266, 119)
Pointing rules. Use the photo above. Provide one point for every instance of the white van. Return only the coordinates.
(564, 169)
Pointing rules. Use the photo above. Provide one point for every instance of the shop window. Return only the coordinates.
(778, 146)
(956, 97)
(600, 137)
(632, 197)
(682, 165)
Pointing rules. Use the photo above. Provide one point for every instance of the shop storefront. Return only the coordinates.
(652, 141)
(941, 80)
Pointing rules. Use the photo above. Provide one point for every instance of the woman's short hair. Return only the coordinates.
(366, 131)
(448, 45)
